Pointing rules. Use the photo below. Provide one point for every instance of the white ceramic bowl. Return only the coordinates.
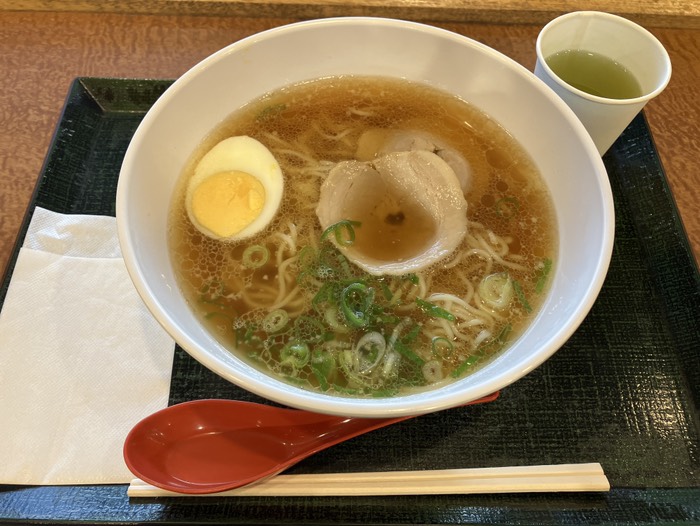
(530, 111)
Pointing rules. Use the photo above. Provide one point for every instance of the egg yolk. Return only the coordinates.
(227, 202)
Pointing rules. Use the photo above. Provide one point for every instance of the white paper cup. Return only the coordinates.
(619, 39)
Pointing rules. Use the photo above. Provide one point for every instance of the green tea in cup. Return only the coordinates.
(604, 67)
(594, 73)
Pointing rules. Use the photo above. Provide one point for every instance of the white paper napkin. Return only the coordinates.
(81, 359)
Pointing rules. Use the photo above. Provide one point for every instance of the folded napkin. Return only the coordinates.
(82, 358)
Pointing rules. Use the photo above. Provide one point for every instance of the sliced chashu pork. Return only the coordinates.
(410, 207)
(379, 141)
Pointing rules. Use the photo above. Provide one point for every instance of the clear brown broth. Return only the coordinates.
(507, 196)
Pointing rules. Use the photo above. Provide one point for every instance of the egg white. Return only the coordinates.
(241, 154)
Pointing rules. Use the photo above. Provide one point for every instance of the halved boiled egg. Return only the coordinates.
(235, 190)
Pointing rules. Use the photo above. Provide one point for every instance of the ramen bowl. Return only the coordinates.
(509, 94)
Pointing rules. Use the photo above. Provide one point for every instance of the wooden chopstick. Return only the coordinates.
(514, 479)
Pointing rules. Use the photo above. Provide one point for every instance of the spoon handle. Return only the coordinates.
(335, 429)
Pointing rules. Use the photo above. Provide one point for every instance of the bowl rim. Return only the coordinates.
(411, 404)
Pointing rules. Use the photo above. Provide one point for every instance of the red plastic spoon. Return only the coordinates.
(207, 446)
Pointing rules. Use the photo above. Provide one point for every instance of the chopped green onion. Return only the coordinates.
(355, 303)
(255, 256)
(275, 321)
(386, 291)
(295, 354)
(491, 347)
(386, 319)
(401, 345)
(497, 343)
(441, 346)
(331, 264)
(542, 275)
(521, 296)
(503, 335)
(432, 371)
(406, 352)
(370, 350)
(326, 294)
(390, 367)
(306, 262)
(323, 366)
(433, 310)
(345, 266)
(307, 257)
(214, 288)
(507, 207)
(244, 334)
(466, 364)
(331, 315)
(496, 290)
(348, 364)
(343, 231)
(412, 335)
(413, 278)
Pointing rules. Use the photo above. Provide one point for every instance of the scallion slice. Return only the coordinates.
(355, 303)
(433, 310)
(441, 347)
(323, 366)
(344, 232)
(521, 296)
(507, 207)
(432, 371)
(496, 290)
(275, 321)
(255, 256)
(370, 350)
(405, 351)
(295, 354)
(466, 364)
(542, 275)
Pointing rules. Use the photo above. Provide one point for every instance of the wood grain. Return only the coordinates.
(658, 13)
(42, 51)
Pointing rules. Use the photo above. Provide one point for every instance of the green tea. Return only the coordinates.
(595, 74)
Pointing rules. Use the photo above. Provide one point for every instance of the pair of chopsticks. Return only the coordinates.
(516, 479)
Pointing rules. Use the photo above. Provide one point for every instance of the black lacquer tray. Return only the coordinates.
(624, 390)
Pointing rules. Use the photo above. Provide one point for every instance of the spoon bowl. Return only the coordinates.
(207, 446)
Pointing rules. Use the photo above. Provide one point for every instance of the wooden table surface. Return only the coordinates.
(42, 51)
